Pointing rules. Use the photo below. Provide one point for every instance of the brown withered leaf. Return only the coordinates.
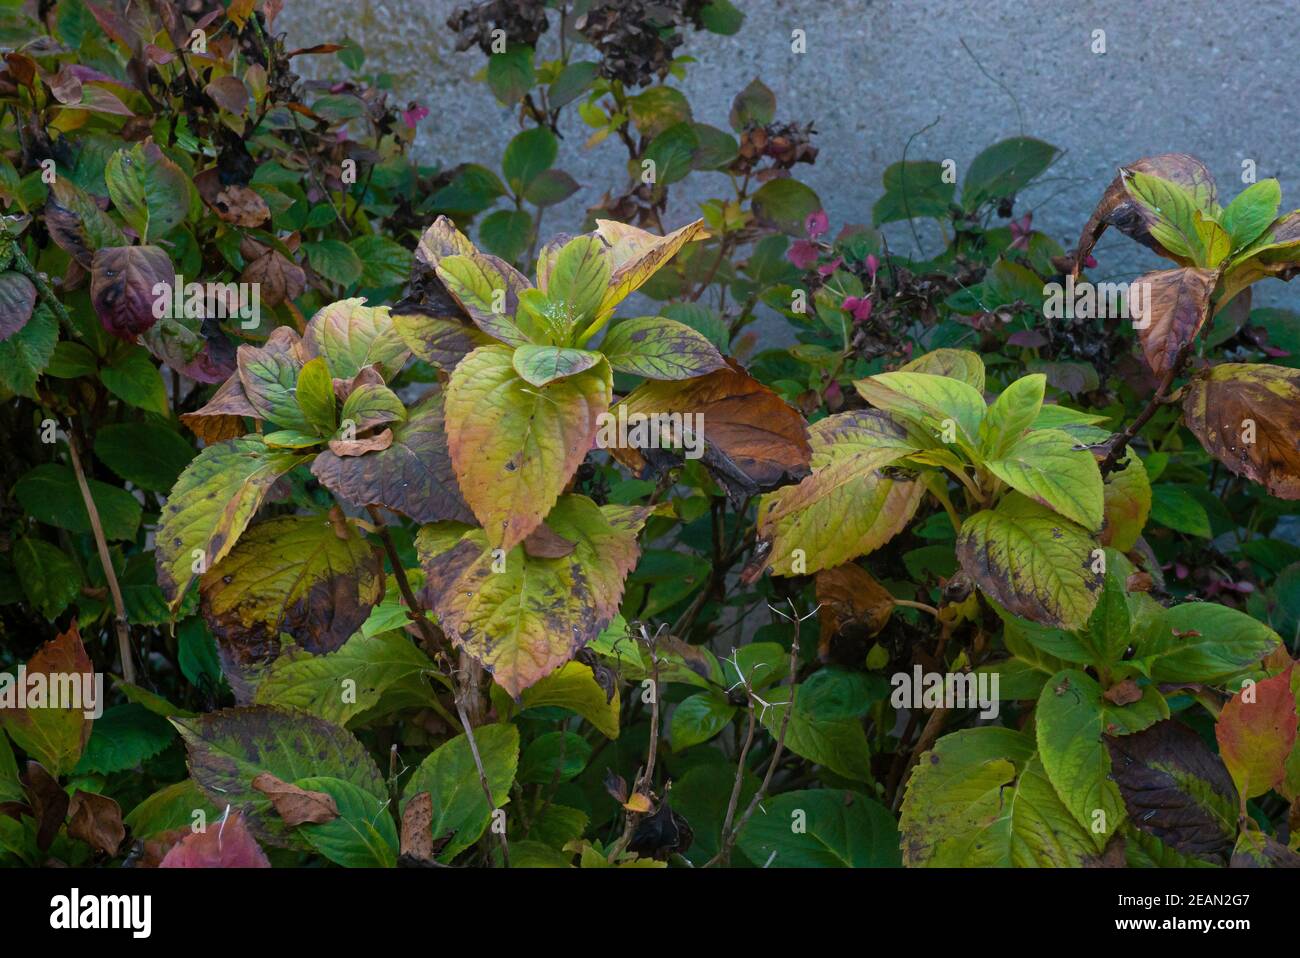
(296, 805)
(1175, 306)
(1175, 788)
(1247, 415)
(368, 376)
(359, 447)
(225, 844)
(97, 821)
(853, 606)
(232, 202)
(279, 278)
(545, 543)
(753, 440)
(1118, 209)
(1123, 693)
(417, 828)
(288, 574)
(122, 282)
(229, 93)
(17, 301)
(48, 802)
(222, 416)
(413, 476)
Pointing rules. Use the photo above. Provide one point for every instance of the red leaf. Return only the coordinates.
(226, 844)
(1256, 731)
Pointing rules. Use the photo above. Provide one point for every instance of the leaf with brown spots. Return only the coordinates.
(351, 336)
(210, 506)
(232, 202)
(413, 476)
(417, 828)
(296, 805)
(122, 281)
(359, 447)
(48, 731)
(1119, 209)
(1175, 788)
(753, 440)
(1247, 416)
(1175, 307)
(97, 821)
(77, 224)
(222, 417)
(440, 339)
(291, 574)
(1032, 561)
(525, 622)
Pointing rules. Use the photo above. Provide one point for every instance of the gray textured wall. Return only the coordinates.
(1216, 79)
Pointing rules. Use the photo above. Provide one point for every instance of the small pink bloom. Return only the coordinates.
(816, 224)
(859, 306)
(1090, 262)
(833, 394)
(803, 253)
(414, 114)
(873, 265)
(827, 268)
(1274, 351)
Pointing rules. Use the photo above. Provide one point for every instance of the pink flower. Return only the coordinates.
(803, 253)
(816, 224)
(873, 265)
(833, 395)
(1020, 230)
(859, 306)
(413, 114)
(827, 268)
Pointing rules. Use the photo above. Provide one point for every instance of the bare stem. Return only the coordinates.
(106, 560)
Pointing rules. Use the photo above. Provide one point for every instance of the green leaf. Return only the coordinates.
(848, 506)
(212, 503)
(574, 687)
(384, 263)
(515, 446)
(510, 74)
(698, 718)
(170, 808)
(1047, 467)
(1173, 209)
(269, 375)
(1109, 627)
(539, 365)
(123, 737)
(1014, 411)
(460, 810)
(315, 395)
(913, 189)
(1032, 561)
(786, 203)
(721, 17)
(980, 798)
(334, 260)
(554, 757)
(488, 289)
(1004, 169)
(523, 616)
(1203, 642)
(1069, 721)
(50, 494)
(363, 835)
(1176, 508)
(657, 108)
(50, 580)
(367, 676)
(549, 188)
(119, 446)
(658, 348)
(351, 336)
(228, 749)
(756, 105)
(528, 155)
(1253, 210)
(371, 404)
(53, 730)
(935, 403)
(839, 744)
(26, 354)
(134, 379)
(148, 189)
(579, 277)
(506, 233)
(574, 80)
(821, 828)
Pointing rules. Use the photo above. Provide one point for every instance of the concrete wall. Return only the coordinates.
(1216, 79)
